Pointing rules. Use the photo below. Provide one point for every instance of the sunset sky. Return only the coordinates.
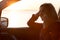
(20, 12)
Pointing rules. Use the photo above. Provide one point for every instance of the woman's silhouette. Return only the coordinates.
(50, 30)
(47, 13)
(49, 16)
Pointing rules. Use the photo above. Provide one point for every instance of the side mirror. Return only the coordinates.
(4, 22)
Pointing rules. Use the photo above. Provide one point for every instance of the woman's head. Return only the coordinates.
(47, 11)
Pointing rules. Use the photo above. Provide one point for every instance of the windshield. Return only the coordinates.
(20, 12)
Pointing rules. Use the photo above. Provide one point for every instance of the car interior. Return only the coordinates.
(18, 33)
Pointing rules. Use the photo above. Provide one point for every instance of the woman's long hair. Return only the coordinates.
(49, 10)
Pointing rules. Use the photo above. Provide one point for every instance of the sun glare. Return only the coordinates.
(20, 12)
(0, 0)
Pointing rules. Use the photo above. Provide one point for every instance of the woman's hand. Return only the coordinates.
(34, 17)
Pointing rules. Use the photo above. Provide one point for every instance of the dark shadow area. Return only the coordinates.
(24, 33)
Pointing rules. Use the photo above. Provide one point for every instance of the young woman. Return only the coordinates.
(49, 28)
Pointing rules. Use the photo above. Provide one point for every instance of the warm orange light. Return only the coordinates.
(9, 2)
(18, 11)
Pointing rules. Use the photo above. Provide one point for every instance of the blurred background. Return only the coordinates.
(20, 12)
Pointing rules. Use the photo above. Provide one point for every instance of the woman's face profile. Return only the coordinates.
(43, 14)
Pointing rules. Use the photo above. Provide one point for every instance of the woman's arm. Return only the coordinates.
(32, 23)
